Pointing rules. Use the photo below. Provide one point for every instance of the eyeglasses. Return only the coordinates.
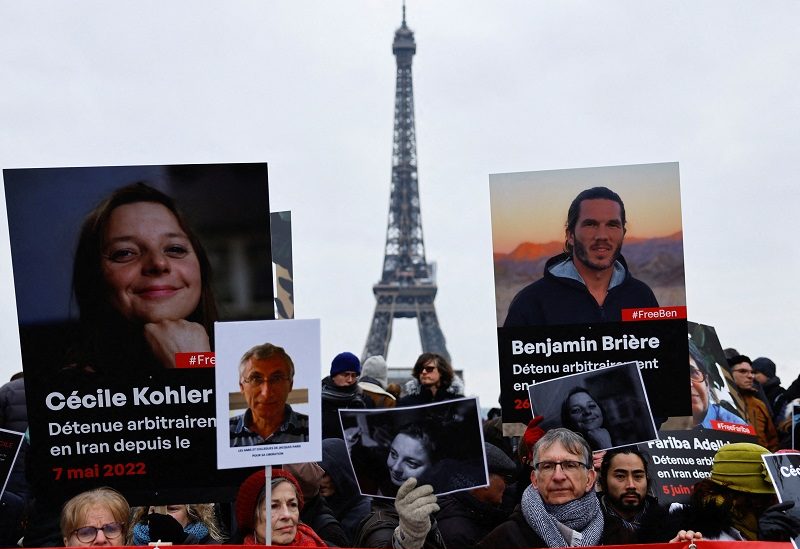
(744, 372)
(569, 466)
(87, 534)
(428, 369)
(696, 374)
(257, 380)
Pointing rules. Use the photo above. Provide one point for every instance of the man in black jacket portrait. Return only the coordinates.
(590, 281)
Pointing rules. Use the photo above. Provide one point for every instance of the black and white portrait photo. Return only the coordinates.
(439, 444)
(608, 407)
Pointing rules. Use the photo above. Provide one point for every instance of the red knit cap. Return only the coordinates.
(247, 498)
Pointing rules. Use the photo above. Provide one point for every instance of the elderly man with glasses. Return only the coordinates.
(758, 415)
(266, 374)
(560, 508)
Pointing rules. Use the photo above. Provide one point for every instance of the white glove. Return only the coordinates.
(415, 506)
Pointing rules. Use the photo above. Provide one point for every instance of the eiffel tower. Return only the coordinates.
(408, 286)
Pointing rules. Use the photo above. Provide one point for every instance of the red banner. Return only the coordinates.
(653, 313)
(195, 360)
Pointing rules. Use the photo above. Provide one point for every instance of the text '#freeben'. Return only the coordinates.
(142, 396)
(607, 343)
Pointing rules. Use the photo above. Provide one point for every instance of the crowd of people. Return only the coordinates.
(545, 489)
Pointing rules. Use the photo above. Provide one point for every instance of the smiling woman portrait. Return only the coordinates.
(581, 413)
(142, 282)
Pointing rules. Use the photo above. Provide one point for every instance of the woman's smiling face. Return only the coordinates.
(407, 458)
(150, 268)
(584, 412)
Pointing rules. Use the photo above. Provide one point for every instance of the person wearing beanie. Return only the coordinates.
(286, 503)
(737, 502)
(375, 367)
(764, 371)
(373, 382)
(340, 390)
(467, 517)
(756, 412)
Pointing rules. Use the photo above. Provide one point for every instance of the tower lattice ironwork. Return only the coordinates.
(408, 286)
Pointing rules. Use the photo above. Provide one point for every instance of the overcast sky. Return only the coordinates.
(499, 87)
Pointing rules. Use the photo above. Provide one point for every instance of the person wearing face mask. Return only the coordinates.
(286, 502)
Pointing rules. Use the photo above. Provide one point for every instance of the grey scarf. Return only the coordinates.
(582, 515)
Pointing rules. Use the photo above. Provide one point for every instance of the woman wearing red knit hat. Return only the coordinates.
(286, 503)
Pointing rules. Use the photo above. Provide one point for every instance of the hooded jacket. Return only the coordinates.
(561, 297)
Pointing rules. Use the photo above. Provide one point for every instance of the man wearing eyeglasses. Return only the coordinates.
(266, 374)
(559, 508)
(758, 415)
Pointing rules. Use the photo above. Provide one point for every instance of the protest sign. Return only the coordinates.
(281, 229)
(784, 470)
(10, 443)
(439, 444)
(608, 407)
(555, 230)
(267, 382)
(680, 459)
(716, 403)
(127, 293)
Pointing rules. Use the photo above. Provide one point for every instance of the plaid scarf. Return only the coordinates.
(582, 515)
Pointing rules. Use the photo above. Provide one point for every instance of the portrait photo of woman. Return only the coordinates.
(438, 444)
(142, 282)
(608, 407)
(581, 413)
(120, 273)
